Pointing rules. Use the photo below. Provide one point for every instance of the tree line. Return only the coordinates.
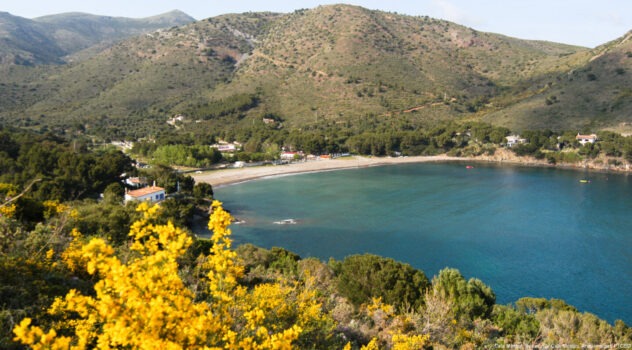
(464, 139)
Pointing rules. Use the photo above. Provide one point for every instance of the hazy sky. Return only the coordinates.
(580, 22)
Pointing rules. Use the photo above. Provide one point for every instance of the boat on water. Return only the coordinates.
(285, 222)
(584, 181)
(469, 167)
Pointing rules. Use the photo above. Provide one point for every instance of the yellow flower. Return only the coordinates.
(143, 302)
(8, 210)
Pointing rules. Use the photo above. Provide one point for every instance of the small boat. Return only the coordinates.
(469, 167)
(285, 222)
(584, 181)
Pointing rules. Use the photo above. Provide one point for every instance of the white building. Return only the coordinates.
(150, 193)
(135, 182)
(175, 119)
(584, 139)
(291, 155)
(514, 139)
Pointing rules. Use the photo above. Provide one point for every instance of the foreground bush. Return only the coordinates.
(143, 303)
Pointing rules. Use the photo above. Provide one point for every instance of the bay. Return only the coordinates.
(534, 232)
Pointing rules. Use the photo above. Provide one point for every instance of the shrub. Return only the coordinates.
(362, 277)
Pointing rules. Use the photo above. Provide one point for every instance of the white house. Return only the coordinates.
(150, 193)
(176, 119)
(514, 139)
(135, 182)
(584, 139)
(291, 155)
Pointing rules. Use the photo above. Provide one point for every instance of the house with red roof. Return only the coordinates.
(584, 139)
(149, 193)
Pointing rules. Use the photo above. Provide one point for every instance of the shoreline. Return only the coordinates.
(226, 177)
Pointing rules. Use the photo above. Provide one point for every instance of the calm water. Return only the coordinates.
(524, 231)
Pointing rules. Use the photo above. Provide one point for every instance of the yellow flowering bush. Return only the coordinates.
(144, 304)
(7, 191)
(53, 207)
(8, 210)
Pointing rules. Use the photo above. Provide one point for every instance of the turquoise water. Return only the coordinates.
(523, 231)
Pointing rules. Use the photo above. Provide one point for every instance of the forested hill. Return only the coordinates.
(325, 67)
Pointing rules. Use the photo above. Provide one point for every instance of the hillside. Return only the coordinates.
(320, 68)
(343, 62)
(137, 80)
(26, 42)
(48, 39)
(594, 94)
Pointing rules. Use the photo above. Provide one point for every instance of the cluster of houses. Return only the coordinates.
(153, 193)
(582, 139)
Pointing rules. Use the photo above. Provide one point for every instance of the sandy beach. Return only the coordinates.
(223, 177)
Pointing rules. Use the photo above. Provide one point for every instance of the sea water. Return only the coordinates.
(526, 232)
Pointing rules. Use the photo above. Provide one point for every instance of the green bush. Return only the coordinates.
(362, 277)
(471, 299)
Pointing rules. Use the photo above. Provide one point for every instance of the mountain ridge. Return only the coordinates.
(331, 65)
(48, 39)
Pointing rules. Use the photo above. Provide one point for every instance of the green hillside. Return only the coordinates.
(343, 62)
(134, 84)
(329, 67)
(593, 94)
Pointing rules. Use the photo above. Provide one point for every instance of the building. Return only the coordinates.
(175, 119)
(226, 147)
(136, 182)
(150, 193)
(584, 139)
(291, 155)
(514, 139)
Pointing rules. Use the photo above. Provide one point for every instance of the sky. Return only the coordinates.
(586, 23)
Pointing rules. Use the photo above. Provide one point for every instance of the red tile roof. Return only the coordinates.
(145, 191)
(587, 137)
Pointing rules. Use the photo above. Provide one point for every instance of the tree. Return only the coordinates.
(471, 299)
(113, 193)
(362, 277)
(203, 190)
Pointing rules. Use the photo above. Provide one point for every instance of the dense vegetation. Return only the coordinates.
(373, 137)
(163, 287)
(57, 241)
(38, 172)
